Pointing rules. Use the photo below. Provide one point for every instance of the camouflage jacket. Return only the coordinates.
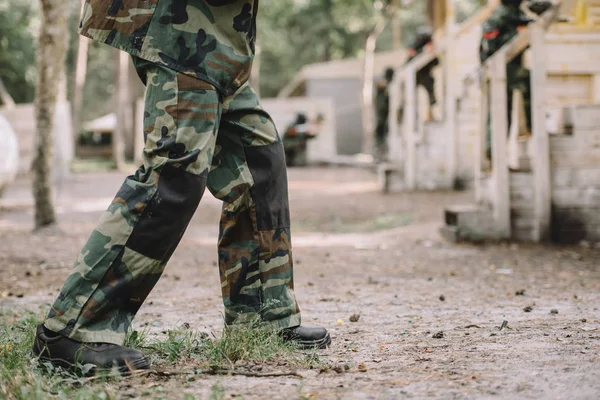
(500, 28)
(382, 99)
(416, 48)
(212, 40)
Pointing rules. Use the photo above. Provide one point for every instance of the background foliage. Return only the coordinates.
(292, 33)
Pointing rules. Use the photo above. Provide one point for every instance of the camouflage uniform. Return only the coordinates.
(203, 127)
(382, 109)
(295, 141)
(424, 75)
(499, 29)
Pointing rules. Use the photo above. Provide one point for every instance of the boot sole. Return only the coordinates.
(313, 344)
(135, 365)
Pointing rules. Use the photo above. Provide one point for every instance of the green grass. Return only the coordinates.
(183, 349)
(338, 225)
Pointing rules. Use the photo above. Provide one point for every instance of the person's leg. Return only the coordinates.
(425, 79)
(129, 248)
(255, 252)
(255, 255)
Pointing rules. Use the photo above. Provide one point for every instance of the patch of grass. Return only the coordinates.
(340, 225)
(21, 377)
(254, 343)
(80, 165)
(217, 392)
(180, 344)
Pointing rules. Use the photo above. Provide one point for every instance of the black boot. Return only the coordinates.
(307, 337)
(68, 353)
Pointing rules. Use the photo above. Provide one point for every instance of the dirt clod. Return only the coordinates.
(528, 309)
(554, 311)
(339, 369)
(442, 298)
(362, 367)
(354, 317)
(520, 292)
(438, 335)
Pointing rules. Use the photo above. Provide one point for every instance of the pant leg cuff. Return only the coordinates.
(86, 336)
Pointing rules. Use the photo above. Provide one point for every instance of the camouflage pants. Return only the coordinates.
(195, 139)
(425, 79)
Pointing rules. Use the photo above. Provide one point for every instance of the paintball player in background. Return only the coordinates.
(422, 41)
(382, 109)
(295, 140)
(203, 128)
(503, 25)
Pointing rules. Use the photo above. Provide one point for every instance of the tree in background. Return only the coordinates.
(19, 22)
(52, 48)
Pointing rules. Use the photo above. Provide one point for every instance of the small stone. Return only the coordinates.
(438, 335)
(362, 367)
(528, 309)
(520, 292)
(554, 311)
(442, 298)
(354, 317)
(583, 320)
(339, 369)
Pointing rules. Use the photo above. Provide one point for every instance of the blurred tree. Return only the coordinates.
(52, 48)
(79, 76)
(19, 23)
(293, 33)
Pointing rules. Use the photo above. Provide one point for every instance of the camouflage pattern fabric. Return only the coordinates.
(424, 75)
(382, 109)
(195, 138)
(502, 26)
(212, 40)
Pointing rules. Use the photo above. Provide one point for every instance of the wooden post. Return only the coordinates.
(79, 73)
(500, 178)
(121, 106)
(393, 137)
(541, 141)
(409, 131)
(480, 149)
(596, 94)
(450, 93)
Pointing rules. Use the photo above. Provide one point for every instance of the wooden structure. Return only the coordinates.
(435, 154)
(551, 190)
(341, 81)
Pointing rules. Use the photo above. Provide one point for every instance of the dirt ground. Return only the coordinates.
(357, 252)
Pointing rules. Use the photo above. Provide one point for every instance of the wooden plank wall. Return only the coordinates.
(576, 179)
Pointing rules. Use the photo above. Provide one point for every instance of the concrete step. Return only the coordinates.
(468, 223)
(391, 177)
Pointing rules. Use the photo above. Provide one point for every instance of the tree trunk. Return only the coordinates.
(79, 82)
(255, 73)
(6, 98)
(121, 109)
(396, 33)
(52, 48)
(368, 119)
